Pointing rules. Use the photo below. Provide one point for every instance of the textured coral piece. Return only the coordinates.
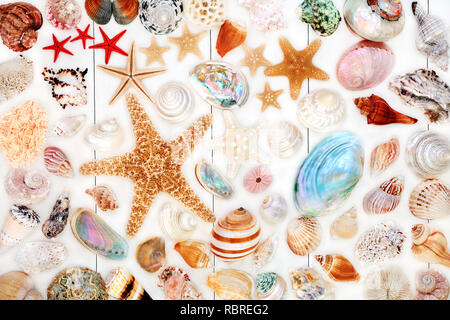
(188, 43)
(297, 66)
(58, 47)
(109, 45)
(254, 58)
(231, 35)
(203, 13)
(154, 52)
(83, 35)
(269, 97)
(154, 166)
(15, 76)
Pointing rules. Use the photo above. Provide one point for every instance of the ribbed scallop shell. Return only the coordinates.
(197, 254)
(16, 75)
(105, 136)
(387, 283)
(176, 222)
(124, 11)
(384, 155)
(431, 285)
(27, 187)
(177, 285)
(269, 286)
(231, 284)
(39, 256)
(122, 285)
(265, 251)
(284, 139)
(205, 14)
(57, 221)
(104, 197)
(365, 65)
(430, 199)
(18, 285)
(321, 110)
(69, 126)
(174, 101)
(63, 14)
(303, 235)
(273, 208)
(151, 254)
(57, 163)
(385, 198)
(337, 267)
(345, 226)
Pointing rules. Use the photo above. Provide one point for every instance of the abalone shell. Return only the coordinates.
(329, 173)
(212, 181)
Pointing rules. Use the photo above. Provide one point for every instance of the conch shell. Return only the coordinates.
(430, 245)
(337, 267)
(231, 35)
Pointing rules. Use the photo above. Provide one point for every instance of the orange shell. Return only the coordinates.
(338, 267)
(384, 155)
(231, 35)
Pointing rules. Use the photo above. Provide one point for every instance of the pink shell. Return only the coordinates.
(104, 197)
(63, 14)
(365, 65)
(257, 179)
(56, 162)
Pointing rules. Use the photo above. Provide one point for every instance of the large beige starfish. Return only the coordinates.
(254, 58)
(188, 43)
(154, 166)
(297, 66)
(154, 53)
(269, 98)
(130, 77)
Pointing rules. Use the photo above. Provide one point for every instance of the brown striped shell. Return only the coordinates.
(303, 235)
(337, 267)
(122, 285)
(385, 198)
(430, 199)
(384, 155)
(196, 253)
(56, 162)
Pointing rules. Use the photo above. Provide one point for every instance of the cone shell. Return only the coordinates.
(27, 187)
(104, 197)
(387, 283)
(151, 254)
(430, 245)
(431, 285)
(384, 198)
(384, 155)
(430, 200)
(231, 284)
(57, 163)
(303, 235)
(345, 226)
(39, 256)
(337, 267)
(231, 35)
(196, 253)
(17, 285)
(235, 236)
(122, 285)
(63, 14)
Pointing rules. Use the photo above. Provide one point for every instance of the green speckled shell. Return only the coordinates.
(322, 15)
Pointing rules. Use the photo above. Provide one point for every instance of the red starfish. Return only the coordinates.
(109, 45)
(83, 36)
(58, 47)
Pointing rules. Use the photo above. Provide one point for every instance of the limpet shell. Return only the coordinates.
(151, 254)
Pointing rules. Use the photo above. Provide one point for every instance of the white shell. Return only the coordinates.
(174, 101)
(345, 226)
(27, 187)
(69, 126)
(265, 251)
(387, 283)
(284, 139)
(274, 208)
(39, 256)
(105, 136)
(430, 199)
(175, 222)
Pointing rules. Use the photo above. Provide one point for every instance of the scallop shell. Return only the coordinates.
(177, 285)
(387, 283)
(151, 254)
(177, 223)
(231, 284)
(40, 256)
(205, 14)
(104, 197)
(345, 226)
(385, 198)
(69, 126)
(430, 199)
(57, 163)
(273, 209)
(235, 236)
(27, 187)
(308, 284)
(212, 180)
(124, 11)
(265, 251)
(174, 101)
(122, 285)
(269, 286)
(337, 267)
(16, 75)
(57, 221)
(384, 155)
(431, 285)
(258, 179)
(105, 136)
(161, 16)
(428, 154)
(284, 139)
(18, 285)
(77, 283)
(321, 110)
(231, 35)
(303, 235)
(365, 65)
(322, 16)
(196, 254)
(430, 245)
(100, 11)
(63, 14)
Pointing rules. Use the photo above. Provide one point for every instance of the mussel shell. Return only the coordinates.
(99, 11)
(124, 11)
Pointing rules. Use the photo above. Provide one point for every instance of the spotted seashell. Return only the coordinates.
(63, 14)
(387, 283)
(337, 267)
(205, 14)
(27, 187)
(431, 285)
(94, 234)
(177, 285)
(122, 285)
(212, 180)
(104, 197)
(39, 256)
(151, 254)
(57, 221)
(69, 126)
(269, 286)
(384, 155)
(176, 222)
(385, 198)
(265, 251)
(284, 139)
(231, 284)
(16, 75)
(57, 163)
(197, 254)
(345, 226)
(174, 101)
(18, 285)
(303, 235)
(308, 284)
(274, 208)
(105, 136)
(430, 199)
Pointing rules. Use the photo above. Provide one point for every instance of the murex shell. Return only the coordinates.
(345, 226)
(387, 283)
(273, 209)
(235, 236)
(231, 284)
(321, 15)
(321, 110)
(94, 234)
(212, 180)
(269, 286)
(177, 285)
(18, 285)
(308, 284)
(384, 155)
(220, 84)
(104, 197)
(384, 198)
(151, 254)
(160, 16)
(197, 254)
(57, 221)
(205, 14)
(63, 14)
(303, 235)
(337, 267)
(27, 187)
(265, 251)
(365, 65)
(430, 199)
(104, 136)
(16, 75)
(122, 285)
(39, 256)
(329, 174)
(57, 163)
(284, 139)
(69, 126)
(174, 101)
(431, 285)
(176, 222)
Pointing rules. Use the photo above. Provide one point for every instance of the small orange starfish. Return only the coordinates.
(188, 43)
(154, 53)
(254, 58)
(269, 98)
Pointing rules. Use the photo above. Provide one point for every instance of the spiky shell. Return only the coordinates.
(430, 199)
(384, 198)
(337, 267)
(303, 235)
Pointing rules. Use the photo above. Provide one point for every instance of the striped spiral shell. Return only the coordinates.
(56, 162)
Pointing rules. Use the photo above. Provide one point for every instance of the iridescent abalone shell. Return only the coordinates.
(270, 286)
(97, 236)
(220, 84)
(329, 173)
(212, 181)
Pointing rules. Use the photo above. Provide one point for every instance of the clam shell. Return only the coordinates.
(269, 286)
(265, 251)
(431, 285)
(284, 139)
(18, 285)
(122, 285)
(384, 155)
(57, 221)
(273, 209)
(337, 267)
(231, 35)
(100, 11)
(124, 11)
(39, 256)
(105, 136)
(321, 110)
(177, 285)
(94, 234)
(16, 75)
(196, 254)
(308, 284)
(174, 101)
(345, 226)
(57, 163)
(303, 235)
(151, 254)
(385, 198)
(104, 197)
(231, 284)
(69, 126)
(430, 199)
(205, 14)
(322, 16)
(387, 283)
(63, 14)
(177, 223)
(160, 16)
(212, 180)
(27, 187)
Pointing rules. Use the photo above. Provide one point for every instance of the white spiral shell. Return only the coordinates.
(174, 101)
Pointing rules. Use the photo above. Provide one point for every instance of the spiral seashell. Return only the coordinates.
(284, 139)
(205, 14)
(105, 136)
(308, 284)
(257, 179)
(57, 221)
(56, 162)
(231, 35)
(428, 154)
(27, 187)
(151, 254)
(63, 14)
(321, 15)
(274, 208)
(174, 101)
(269, 286)
(39, 256)
(365, 65)
(384, 198)
(231, 284)
(430, 245)
(430, 199)
(177, 223)
(384, 155)
(345, 226)
(337, 267)
(321, 110)
(18, 285)
(122, 285)
(303, 235)
(197, 254)
(176, 285)
(265, 251)
(69, 126)
(104, 197)
(431, 285)
(387, 283)
(16, 75)
(20, 22)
